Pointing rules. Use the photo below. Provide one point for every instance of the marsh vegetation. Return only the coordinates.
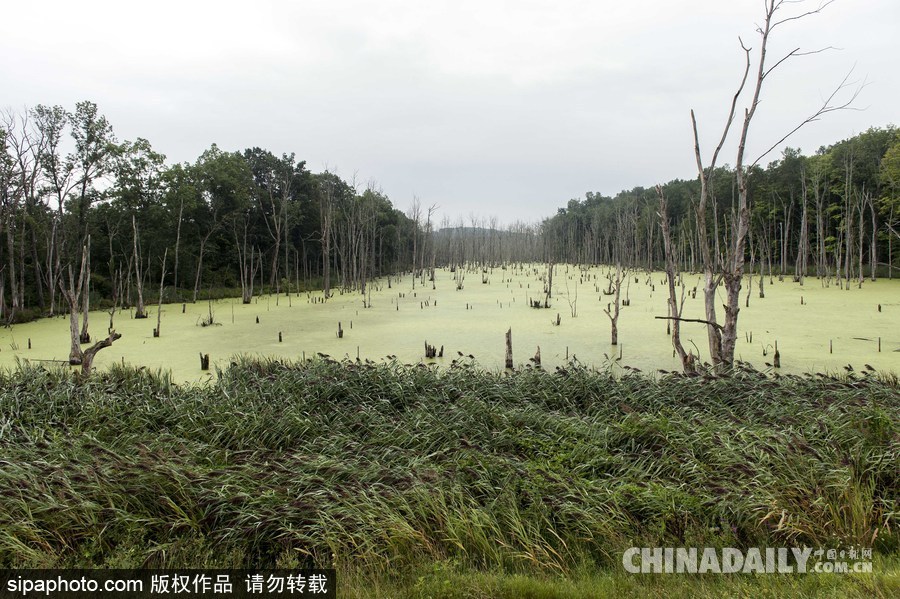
(391, 472)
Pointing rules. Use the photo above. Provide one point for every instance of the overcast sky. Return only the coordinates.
(506, 108)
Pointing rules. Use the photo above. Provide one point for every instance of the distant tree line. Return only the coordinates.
(834, 215)
(80, 210)
(85, 217)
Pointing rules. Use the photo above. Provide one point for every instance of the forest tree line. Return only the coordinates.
(74, 200)
(834, 215)
(87, 218)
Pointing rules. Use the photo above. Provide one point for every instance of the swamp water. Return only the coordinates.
(474, 320)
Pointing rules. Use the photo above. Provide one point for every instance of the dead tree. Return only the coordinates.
(72, 295)
(727, 268)
(139, 310)
(415, 214)
(675, 307)
(87, 360)
(247, 263)
(162, 279)
(85, 336)
(613, 311)
(326, 216)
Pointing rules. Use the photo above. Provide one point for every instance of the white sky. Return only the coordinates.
(506, 108)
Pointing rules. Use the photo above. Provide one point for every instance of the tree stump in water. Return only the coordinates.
(776, 359)
(509, 356)
(340, 332)
(204, 361)
(430, 351)
(87, 358)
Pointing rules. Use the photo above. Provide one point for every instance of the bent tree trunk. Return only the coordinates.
(87, 360)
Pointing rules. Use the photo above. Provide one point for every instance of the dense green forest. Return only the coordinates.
(833, 214)
(88, 220)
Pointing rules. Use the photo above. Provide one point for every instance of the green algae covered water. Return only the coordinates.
(830, 329)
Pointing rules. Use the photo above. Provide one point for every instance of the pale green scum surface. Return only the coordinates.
(473, 321)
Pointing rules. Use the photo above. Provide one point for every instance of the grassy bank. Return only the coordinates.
(410, 480)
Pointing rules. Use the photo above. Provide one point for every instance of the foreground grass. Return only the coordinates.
(415, 482)
(449, 581)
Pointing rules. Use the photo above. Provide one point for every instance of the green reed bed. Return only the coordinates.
(383, 468)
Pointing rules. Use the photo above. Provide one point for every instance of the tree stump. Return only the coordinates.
(509, 356)
(340, 332)
(87, 357)
(204, 361)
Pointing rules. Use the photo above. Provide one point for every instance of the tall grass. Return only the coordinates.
(385, 466)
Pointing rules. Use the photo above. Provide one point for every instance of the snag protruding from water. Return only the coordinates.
(204, 361)
(87, 357)
(162, 280)
(509, 356)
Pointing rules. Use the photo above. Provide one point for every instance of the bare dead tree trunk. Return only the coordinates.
(614, 313)
(87, 361)
(85, 336)
(675, 307)
(873, 244)
(203, 241)
(139, 310)
(803, 246)
(326, 215)
(177, 244)
(162, 280)
(72, 295)
(415, 214)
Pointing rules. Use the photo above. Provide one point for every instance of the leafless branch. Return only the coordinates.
(730, 115)
(893, 230)
(821, 7)
(824, 109)
(794, 54)
(700, 320)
